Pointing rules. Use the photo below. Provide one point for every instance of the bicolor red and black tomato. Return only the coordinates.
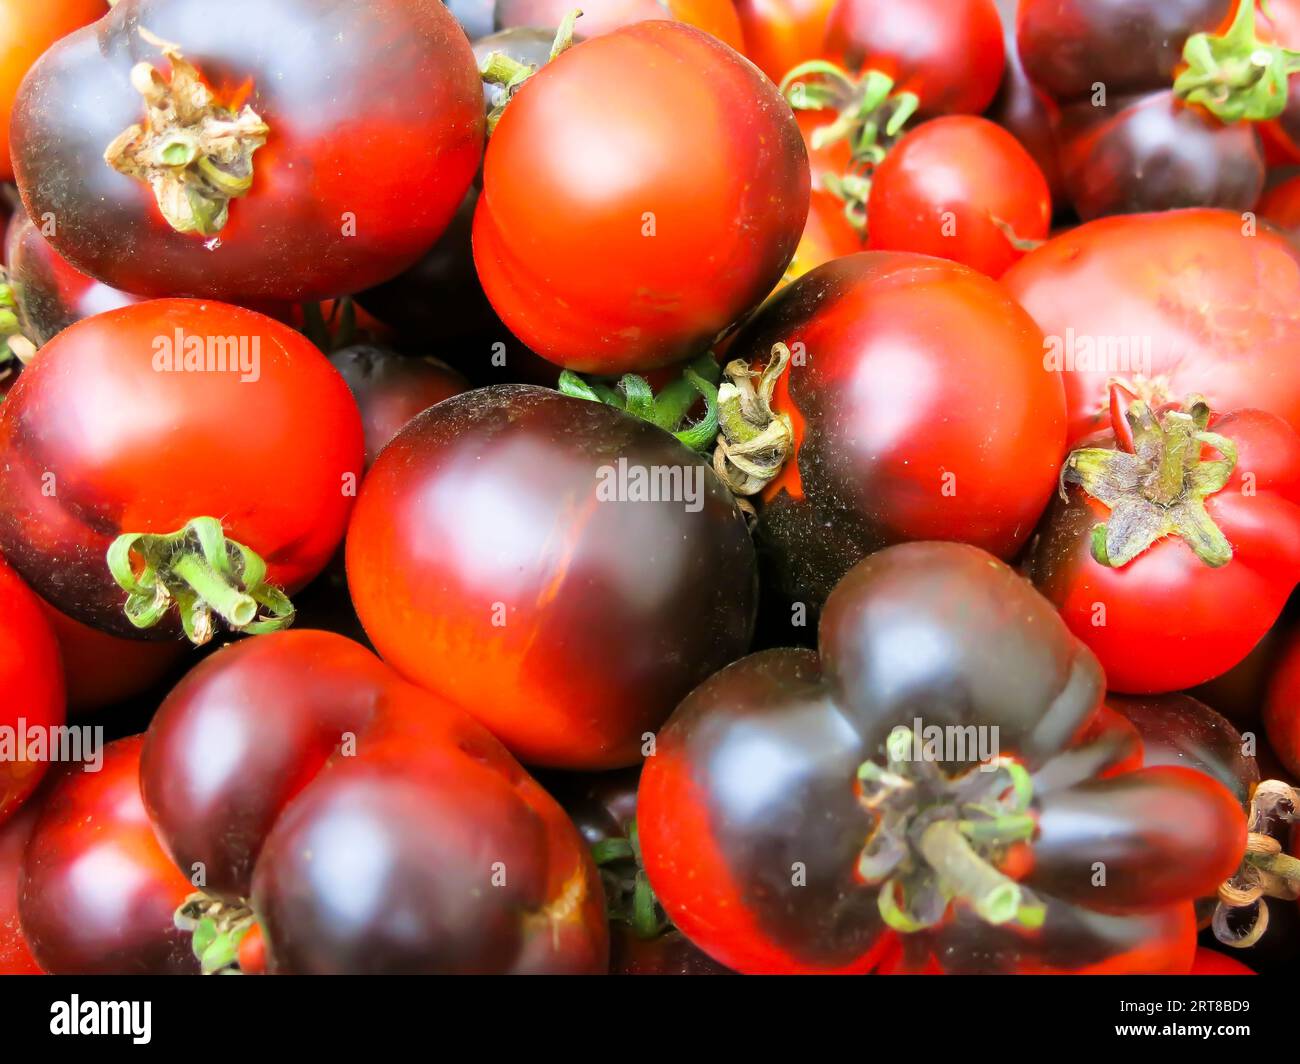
(589, 570)
(1188, 302)
(26, 30)
(97, 893)
(169, 415)
(717, 17)
(1282, 708)
(934, 790)
(365, 825)
(1180, 515)
(272, 152)
(959, 188)
(920, 409)
(15, 954)
(595, 245)
(948, 52)
(32, 699)
(781, 34)
(49, 293)
(391, 388)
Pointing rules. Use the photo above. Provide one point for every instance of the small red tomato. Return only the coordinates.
(781, 34)
(143, 420)
(597, 246)
(959, 188)
(1282, 708)
(97, 893)
(1180, 516)
(221, 160)
(31, 686)
(948, 52)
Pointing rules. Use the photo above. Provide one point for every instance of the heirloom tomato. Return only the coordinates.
(589, 570)
(361, 824)
(138, 439)
(934, 789)
(268, 150)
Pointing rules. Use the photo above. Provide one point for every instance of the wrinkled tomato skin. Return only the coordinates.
(952, 188)
(98, 442)
(390, 389)
(1200, 304)
(720, 835)
(15, 954)
(570, 624)
(358, 813)
(949, 52)
(50, 293)
(915, 373)
(27, 28)
(1212, 617)
(1282, 708)
(716, 17)
(585, 167)
(31, 683)
(118, 920)
(392, 145)
(781, 34)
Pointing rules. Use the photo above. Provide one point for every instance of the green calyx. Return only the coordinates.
(500, 69)
(1159, 487)
(629, 897)
(1236, 76)
(668, 409)
(216, 929)
(204, 574)
(938, 838)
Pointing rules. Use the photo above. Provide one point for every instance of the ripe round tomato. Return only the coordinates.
(97, 892)
(31, 686)
(49, 293)
(27, 28)
(781, 34)
(1187, 302)
(920, 409)
(147, 417)
(640, 194)
(948, 52)
(959, 188)
(357, 126)
(15, 954)
(589, 570)
(368, 826)
(1178, 515)
(794, 793)
(1282, 708)
(717, 17)
(390, 389)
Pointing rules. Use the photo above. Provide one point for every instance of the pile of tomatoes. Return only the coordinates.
(688, 487)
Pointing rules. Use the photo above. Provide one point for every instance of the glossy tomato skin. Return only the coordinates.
(721, 837)
(1211, 618)
(949, 52)
(31, 683)
(717, 17)
(560, 609)
(585, 169)
(959, 188)
(921, 410)
(15, 954)
(50, 293)
(26, 30)
(317, 746)
(98, 442)
(781, 34)
(1282, 708)
(390, 389)
(375, 116)
(1188, 302)
(117, 921)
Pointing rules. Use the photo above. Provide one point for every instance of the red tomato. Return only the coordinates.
(781, 34)
(1212, 962)
(1280, 205)
(1282, 708)
(15, 954)
(548, 561)
(959, 188)
(111, 431)
(352, 148)
(1187, 302)
(27, 28)
(31, 687)
(717, 17)
(97, 892)
(1180, 516)
(596, 245)
(949, 52)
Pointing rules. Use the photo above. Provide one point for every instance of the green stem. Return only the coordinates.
(995, 897)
